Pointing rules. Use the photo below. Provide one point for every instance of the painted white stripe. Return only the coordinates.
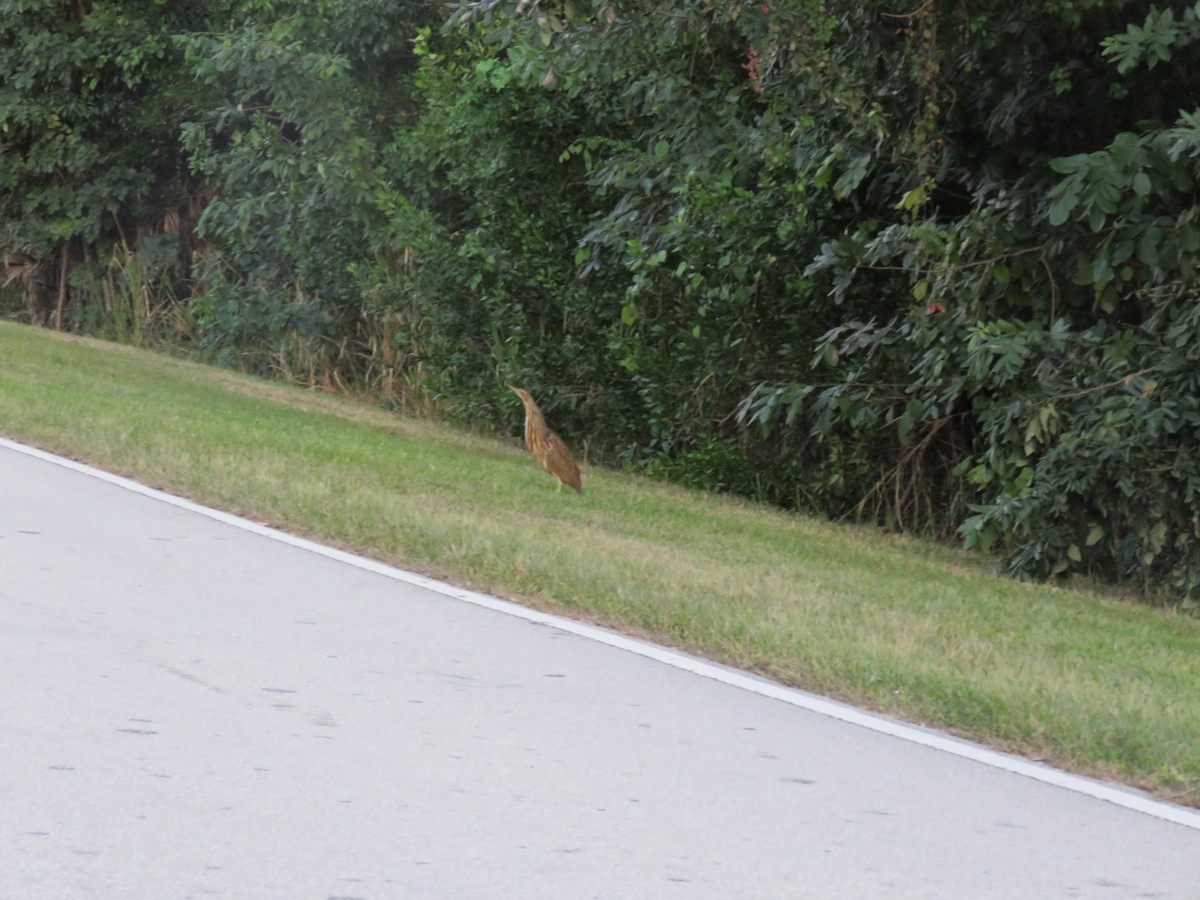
(1119, 796)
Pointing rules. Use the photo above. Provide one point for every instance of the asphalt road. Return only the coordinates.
(192, 706)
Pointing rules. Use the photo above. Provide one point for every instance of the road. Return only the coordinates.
(195, 706)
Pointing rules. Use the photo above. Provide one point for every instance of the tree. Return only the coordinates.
(88, 114)
(290, 145)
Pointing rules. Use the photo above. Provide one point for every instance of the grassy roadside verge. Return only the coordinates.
(1092, 683)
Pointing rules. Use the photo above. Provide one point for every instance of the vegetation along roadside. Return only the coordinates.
(925, 266)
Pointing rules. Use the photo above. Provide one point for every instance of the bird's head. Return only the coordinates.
(524, 395)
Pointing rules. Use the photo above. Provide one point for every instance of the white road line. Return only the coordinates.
(1119, 796)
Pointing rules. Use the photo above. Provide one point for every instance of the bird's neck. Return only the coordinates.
(533, 422)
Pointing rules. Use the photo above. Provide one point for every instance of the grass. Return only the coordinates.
(1087, 681)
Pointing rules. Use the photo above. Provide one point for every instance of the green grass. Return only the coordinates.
(1088, 681)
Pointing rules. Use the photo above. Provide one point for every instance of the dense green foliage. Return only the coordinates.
(88, 140)
(930, 266)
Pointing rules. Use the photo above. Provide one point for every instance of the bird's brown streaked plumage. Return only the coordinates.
(546, 446)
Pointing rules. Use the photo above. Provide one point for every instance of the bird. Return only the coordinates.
(546, 446)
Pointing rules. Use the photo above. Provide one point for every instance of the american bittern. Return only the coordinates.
(546, 446)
